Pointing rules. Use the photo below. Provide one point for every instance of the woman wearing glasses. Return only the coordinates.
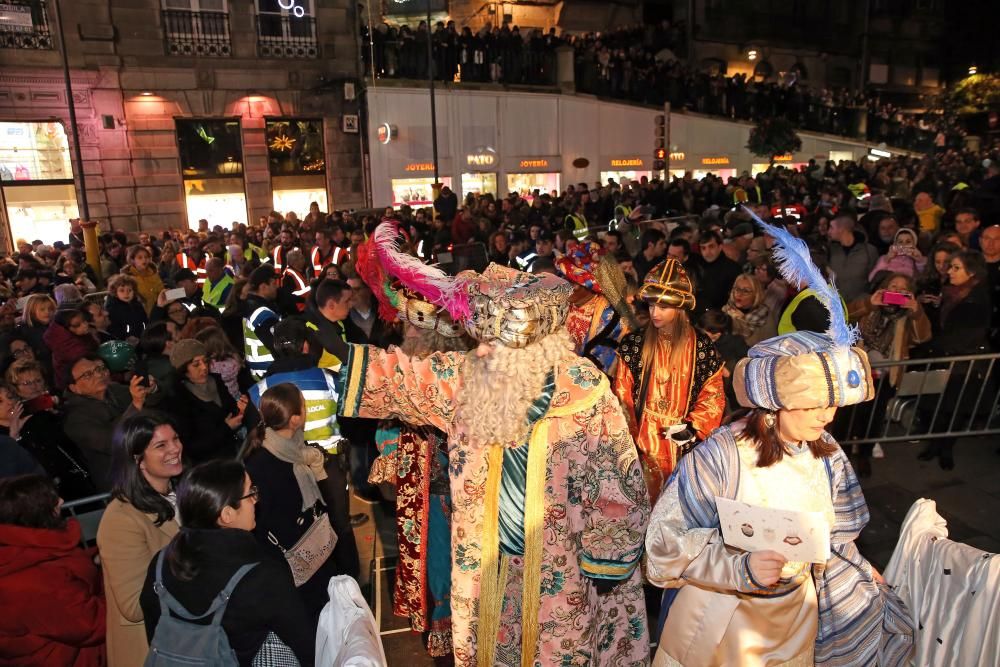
(139, 521)
(753, 320)
(216, 504)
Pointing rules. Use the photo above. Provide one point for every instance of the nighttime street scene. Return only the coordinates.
(540, 333)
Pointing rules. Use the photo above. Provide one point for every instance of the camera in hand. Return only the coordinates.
(895, 298)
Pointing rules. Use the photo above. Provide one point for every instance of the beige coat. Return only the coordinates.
(127, 540)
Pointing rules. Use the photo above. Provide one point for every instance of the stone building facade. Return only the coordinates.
(148, 73)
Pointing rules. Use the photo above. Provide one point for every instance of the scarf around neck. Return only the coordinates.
(208, 392)
(307, 463)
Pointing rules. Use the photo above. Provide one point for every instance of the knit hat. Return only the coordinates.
(804, 369)
(186, 350)
(880, 203)
(667, 284)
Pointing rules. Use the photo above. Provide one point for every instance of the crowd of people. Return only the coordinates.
(640, 64)
(227, 387)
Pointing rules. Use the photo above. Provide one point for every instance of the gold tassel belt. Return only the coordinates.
(495, 568)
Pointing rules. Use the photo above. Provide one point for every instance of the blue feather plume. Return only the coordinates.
(791, 254)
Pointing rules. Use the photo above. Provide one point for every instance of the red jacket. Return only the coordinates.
(51, 594)
(66, 348)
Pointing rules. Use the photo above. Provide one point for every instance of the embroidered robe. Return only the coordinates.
(591, 521)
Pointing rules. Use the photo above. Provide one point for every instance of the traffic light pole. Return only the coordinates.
(666, 134)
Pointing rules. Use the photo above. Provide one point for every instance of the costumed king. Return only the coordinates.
(414, 459)
(549, 508)
(668, 377)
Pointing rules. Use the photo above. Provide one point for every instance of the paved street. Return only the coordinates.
(967, 497)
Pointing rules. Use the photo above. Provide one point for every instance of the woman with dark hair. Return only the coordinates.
(50, 589)
(153, 353)
(208, 417)
(286, 471)
(961, 325)
(775, 606)
(69, 338)
(138, 522)
(216, 507)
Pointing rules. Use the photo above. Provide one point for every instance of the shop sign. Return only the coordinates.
(537, 163)
(787, 157)
(627, 162)
(386, 132)
(677, 157)
(15, 18)
(419, 166)
(721, 160)
(481, 157)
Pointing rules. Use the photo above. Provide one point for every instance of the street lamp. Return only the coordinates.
(752, 54)
(973, 69)
(77, 151)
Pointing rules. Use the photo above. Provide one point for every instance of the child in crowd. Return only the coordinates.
(223, 358)
(903, 257)
(128, 316)
(719, 327)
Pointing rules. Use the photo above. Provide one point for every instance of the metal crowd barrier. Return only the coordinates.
(943, 397)
(88, 511)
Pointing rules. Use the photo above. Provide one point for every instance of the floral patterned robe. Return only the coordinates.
(594, 516)
(415, 461)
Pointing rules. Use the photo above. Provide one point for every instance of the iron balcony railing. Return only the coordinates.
(24, 25)
(286, 36)
(200, 33)
(921, 399)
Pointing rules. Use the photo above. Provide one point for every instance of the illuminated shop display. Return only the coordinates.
(296, 157)
(526, 184)
(211, 154)
(415, 191)
(37, 179)
(479, 183)
(621, 177)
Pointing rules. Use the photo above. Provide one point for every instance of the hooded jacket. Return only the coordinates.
(55, 588)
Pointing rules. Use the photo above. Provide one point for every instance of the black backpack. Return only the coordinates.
(178, 642)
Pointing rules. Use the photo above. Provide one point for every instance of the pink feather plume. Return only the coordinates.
(430, 282)
(370, 270)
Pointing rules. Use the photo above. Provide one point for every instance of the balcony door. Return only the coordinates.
(286, 28)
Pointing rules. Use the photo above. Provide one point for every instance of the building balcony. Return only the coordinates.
(200, 33)
(24, 24)
(286, 36)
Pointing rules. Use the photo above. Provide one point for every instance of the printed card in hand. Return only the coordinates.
(798, 536)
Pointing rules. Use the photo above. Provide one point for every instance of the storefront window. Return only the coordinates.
(724, 174)
(415, 191)
(526, 184)
(760, 167)
(37, 180)
(479, 184)
(296, 157)
(211, 153)
(622, 177)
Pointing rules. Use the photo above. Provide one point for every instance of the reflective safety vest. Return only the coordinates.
(319, 388)
(785, 324)
(258, 357)
(185, 261)
(337, 257)
(302, 288)
(580, 230)
(278, 257)
(215, 295)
